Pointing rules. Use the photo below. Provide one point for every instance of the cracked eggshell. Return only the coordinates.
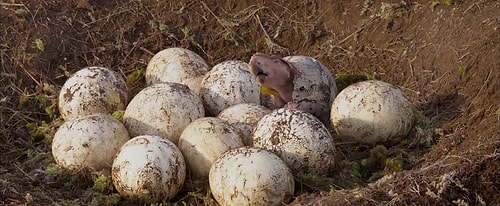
(89, 142)
(149, 168)
(204, 140)
(177, 65)
(315, 88)
(92, 90)
(244, 117)
(163, 110)
(250, 176)
(227, 84)
(372, 112)
(298, 138)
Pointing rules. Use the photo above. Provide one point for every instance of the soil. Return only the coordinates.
(445, 56)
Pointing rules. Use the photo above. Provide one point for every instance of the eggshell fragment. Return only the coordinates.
(315, 88)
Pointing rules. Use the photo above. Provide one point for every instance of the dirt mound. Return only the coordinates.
(445, 55)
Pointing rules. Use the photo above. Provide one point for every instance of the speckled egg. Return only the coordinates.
(149, 168)
(315, 88)
(250, 176)
(88, 142)
(227, 84)
(92, 90)
(244, 117)
(163, 110)
(372, 112)
(204, 140)
(298, 138)
(177, 65)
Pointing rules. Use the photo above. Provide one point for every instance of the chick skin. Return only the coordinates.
(275, 75)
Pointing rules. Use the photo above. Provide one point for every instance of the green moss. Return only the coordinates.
(55, 171)
(102, 199)
(344, 80)
(40, 45)
(356, 172)
(37, 131)
(462, 69)
(103, 184)
(394, 164)
(313, 180)
(434, 4)
(118, 115)
(368, 168)
(448, 2)
(134, 76)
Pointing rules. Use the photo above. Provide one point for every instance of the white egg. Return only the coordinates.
(204, 140)
(92, 90)
(250, 176)
(372, 112)
(163, 110)
(298, 138)
(315, 88)
(149, 168)
(89, 142)
(244, 117)
(177, 65)
(227, 84)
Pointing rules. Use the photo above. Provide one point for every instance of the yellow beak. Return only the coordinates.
(267, 91)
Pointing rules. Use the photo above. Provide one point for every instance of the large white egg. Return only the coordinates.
(149, 168)
(299, 139)
(372, 112)
(92, 90)
(315, 88)
(163, 110)
(88, 142)
(250, 176)
(227, 84)
(244, 117)
(177, 65)
(204, 140)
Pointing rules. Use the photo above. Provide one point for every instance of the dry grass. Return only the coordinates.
(45, 42)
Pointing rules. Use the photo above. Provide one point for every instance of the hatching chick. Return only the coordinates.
(275, 76)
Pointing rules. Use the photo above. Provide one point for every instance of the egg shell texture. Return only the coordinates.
(227, 84)
(88, 142)
(244, 117)
(149, 168)
(315, 88)
(372, 112)
(250, 176)
(177, 65)
(163, 109)
(92, 90)
(204, 140)
(298, 138)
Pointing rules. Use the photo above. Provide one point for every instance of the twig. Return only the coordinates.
(481, 89)
(270, 42)
(10, 4)
(361, 28)
(25, 174)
